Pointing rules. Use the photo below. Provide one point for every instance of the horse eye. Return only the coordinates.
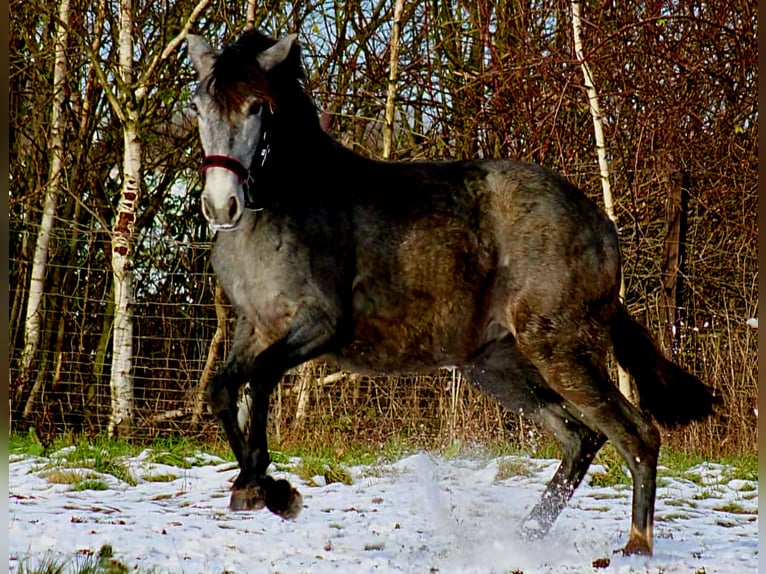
(194, 108)
(255, 108)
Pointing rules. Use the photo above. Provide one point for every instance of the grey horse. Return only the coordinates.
(502, 269)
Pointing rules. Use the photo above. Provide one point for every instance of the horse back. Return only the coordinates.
(448, 251)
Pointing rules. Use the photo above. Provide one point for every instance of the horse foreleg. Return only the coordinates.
(222, 398)
(253, 488)
(223, 390)
(309, 336)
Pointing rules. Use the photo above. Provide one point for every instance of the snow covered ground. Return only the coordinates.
(423, 514)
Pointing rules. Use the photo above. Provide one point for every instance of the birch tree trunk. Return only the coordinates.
(127, 106)
(40, 260)
(393, 73)
(250, 18)
(121, 380)
(603, 164)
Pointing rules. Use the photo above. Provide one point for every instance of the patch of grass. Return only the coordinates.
(160, 477)
(312, 466)
(695, 478)
(48, 564)
(743, 467)
(662, 483)
(599, 508)
(102, 456)
(91, 484)
(30, 444)
(670, 517)
(706, 493)
(454, 449)
(65, 476)
(681, 503)
(613, 474)
(678, 463)
(105, 462)
(184, 453)
(734, 508)
(101, 562)
(510, 467)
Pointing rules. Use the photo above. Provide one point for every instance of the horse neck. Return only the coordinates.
(305, 151)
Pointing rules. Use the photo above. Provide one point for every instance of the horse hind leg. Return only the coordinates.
(582, 379)
(503, 372)
(579, 445)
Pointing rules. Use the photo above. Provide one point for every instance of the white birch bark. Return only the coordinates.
(393, 73)
(603, 163)
(40, 260)
(126, 105)
(121, 380)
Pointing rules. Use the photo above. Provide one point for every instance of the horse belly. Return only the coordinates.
(427, 310)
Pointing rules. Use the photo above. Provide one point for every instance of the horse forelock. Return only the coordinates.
(236, 75)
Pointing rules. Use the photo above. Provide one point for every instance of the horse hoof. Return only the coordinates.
(247, 498)
(284, 500)
(636, 547)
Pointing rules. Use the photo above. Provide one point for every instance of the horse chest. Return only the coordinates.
(263, 275)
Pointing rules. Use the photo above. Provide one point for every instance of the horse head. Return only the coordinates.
(233, 98)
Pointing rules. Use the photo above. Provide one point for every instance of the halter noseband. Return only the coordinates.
(236, 167)
(226, 162)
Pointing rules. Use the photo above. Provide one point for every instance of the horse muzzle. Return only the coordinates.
(223, 198)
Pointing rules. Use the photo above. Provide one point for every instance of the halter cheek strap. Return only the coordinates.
(225, 162)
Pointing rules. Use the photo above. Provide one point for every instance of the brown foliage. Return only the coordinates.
(678, 86)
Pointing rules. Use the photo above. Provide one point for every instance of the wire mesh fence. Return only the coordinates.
(180, 328)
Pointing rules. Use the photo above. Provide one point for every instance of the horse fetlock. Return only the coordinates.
(278, 496)
(639, 542)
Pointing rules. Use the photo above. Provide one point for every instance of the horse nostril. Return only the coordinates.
(233, 208)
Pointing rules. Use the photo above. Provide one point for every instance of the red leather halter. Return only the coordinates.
(225, 162)
(236, 167)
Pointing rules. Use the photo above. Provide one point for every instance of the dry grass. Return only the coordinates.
(440, 409)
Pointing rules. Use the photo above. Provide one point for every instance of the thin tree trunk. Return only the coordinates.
(212, 356)
(127, 103)
(250, 18)
(90, 400)
(121, 381)
(61, 312)
(305, 379)
(393, 74)
(672, 260)
(603, 164)
(33, 321)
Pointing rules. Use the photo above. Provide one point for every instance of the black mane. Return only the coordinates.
(237, 76)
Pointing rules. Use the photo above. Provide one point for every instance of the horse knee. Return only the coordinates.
(218, 395)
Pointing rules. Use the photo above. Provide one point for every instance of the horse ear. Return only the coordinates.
(277, 54)
(201, 54)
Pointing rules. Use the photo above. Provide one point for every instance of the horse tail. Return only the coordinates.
(671, 394)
